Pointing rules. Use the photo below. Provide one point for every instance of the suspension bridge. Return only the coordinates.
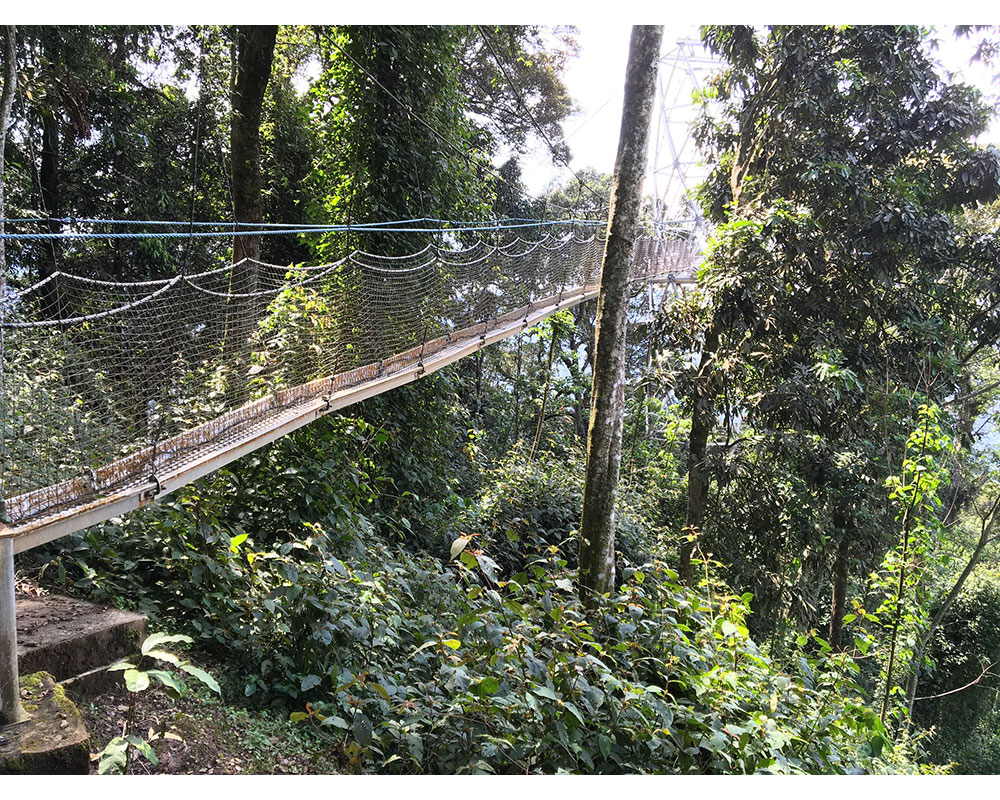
(114, 394)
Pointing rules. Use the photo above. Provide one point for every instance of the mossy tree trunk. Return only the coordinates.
(604, 435)
(254, 57)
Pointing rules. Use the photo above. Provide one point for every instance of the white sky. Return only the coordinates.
(596, 79)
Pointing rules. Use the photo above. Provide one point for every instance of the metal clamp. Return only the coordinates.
(150, 494)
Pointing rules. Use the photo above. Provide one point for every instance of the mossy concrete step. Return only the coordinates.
(66, 637)
(53, 740)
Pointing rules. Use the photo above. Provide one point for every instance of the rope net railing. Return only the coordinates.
(107, 386)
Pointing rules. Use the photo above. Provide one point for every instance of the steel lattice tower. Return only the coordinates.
(677, 169)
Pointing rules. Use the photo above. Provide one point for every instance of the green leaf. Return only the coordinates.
(163, 655)
(113, 757)
(362, 729)
(545, 691)
(468, 559)
(120, 666)
(459, 545)
(136, 681)
(336, 722)
(424, 646)
(604, 743)
(310, 682)
(143, 747)
(454, 644)
(168, 679)
(236, 541)
(489, 686)
(163, 638)
(489, 567)
(298, 716)
(203, 676)
(574, 711)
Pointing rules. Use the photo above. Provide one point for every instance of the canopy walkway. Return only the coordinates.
(114, 394)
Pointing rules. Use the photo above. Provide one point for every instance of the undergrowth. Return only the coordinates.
(471, 653)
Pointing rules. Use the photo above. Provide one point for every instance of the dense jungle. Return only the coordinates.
(806, 552)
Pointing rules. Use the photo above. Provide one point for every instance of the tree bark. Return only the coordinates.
(255, 53)
(841, 574)
(254, 56)
(6, 102)
(703, 421)
(604, 436)
(48, 178)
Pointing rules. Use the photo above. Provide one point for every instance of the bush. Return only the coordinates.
(519, 678)
(482, 659)
(966, 722)
(529, 505)
(410, 665)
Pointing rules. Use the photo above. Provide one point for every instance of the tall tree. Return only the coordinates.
(512, 77)
(6, 102)
(840, 157)
(254, 46)
(254, 56)
(604, 437)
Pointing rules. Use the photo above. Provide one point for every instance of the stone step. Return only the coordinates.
(66, 637)
(52, 739)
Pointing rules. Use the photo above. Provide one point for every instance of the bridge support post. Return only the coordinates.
(10, 690)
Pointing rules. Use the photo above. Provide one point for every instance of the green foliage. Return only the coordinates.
(518, 679)
(119, 752)
(525, 88)
(528, 505)
(843, 288)
(965, 653)
(479, 662)
(908, 572)
(375, 161)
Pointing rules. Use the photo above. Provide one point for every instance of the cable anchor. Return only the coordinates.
(151, 494)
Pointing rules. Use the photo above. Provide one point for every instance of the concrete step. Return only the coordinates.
(52, 739)
(66, 637)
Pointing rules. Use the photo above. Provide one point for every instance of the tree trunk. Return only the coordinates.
(841, 574)
(6, 101)
(604, 437)
(703, 422)
(545, 396)
(49, 184)
(254, 55)
(985, 536)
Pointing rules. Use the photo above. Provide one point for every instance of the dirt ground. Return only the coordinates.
(218, 739)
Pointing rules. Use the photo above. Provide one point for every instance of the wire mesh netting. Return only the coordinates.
(107, 385)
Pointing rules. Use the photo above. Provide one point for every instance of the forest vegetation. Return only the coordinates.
(806, 570)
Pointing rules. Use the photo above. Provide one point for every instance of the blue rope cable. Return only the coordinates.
(273, 232)
(187, 223)
(281, 225)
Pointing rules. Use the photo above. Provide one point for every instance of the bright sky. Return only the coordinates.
(596, 78)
